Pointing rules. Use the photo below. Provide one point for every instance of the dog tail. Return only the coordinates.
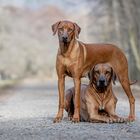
(133, 82)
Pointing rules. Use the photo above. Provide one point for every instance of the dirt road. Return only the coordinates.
(27, 111)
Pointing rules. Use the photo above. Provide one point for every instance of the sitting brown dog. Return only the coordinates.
(98, 102)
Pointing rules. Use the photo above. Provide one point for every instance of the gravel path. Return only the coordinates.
(27, 111)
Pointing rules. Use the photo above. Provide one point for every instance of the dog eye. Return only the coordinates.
(70, 30)
(61, 29)
(97, 72)
(108, 72)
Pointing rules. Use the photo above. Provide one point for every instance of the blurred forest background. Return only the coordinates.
(27, 47)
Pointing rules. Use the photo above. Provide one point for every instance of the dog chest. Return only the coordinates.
(67, 61)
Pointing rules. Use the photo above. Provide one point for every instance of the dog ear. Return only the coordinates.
(114, 77)
(55, 27)
(90, 75)
(77, 30)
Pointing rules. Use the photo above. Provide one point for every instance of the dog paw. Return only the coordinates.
(121, 120)
(75, 120)
(57, 120)
(109, 120)
(106, 120)
(131, 118)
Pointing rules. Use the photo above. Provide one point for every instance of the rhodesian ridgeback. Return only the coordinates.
(75, 59)
(97, 100)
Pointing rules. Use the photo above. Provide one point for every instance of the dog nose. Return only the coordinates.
(65, 37)
(102, 80)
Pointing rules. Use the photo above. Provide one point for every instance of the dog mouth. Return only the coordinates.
(65, 47)
(65, 40)
(101, 86)
(101, 89)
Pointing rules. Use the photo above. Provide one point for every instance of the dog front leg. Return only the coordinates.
(101, 119)
(77, 84)
(61, 88)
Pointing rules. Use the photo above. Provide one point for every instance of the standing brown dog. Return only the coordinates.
(97, 101)
(75, 58)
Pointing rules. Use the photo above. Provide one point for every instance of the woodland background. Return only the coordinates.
(28, 48)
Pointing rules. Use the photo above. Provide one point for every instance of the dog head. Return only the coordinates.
(101, 76)
(67, 30)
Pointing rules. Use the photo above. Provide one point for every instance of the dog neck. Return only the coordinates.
(101, 97)
(66, 48)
